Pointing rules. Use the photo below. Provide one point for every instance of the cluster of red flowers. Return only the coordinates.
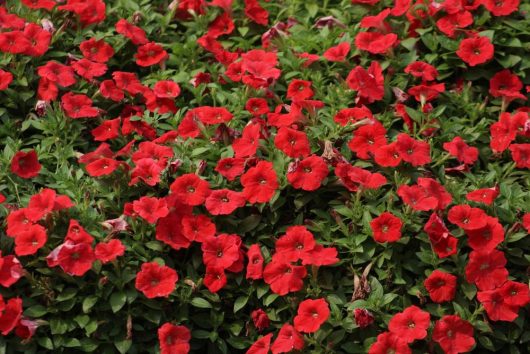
(273, 152)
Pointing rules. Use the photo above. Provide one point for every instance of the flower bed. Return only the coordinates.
(264, 176)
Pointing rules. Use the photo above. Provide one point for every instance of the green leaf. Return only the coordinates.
(240, 303)
(123, 346)
(72, 343)
(89, 302)
(469, 290)
(117, 300)
(486, 343)
(45, 342)
(82, 320)
(67, 294)
(36, 311)
(270, 299)
(201, 303)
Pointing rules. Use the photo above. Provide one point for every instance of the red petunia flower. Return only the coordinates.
(215, 279)
(151, 208)
(255, 262)
(415, 152)
(441, 286)
(369, 84)
(387, 155)
(89, 12)
(102, 167)
(375, 42)
(261, 346)
(386, 228)
(422, 70)
(248, 144)
(496, 307)
(197, 228)
(5, 79)
(444, 244)
(507, 85)
(466, 217)
(436, 190)
(484, 195)
(450, 24)
(167, 232)
(77, 234)
(10, 270)
(150, 54)
(190, 189)
(256, 13)
(30, 240)
(221, 251)
(521, 155)
(166, 89)
(502, 133)
(231, 167)
(39, 40)
(154, 280)
(134, 33)
(363, 317)
(515, 294)
(26, 328)
(321, 256)
(257, 106)
(292, 142)
(463, 152)
(25, 164)
(389, 342)
(259, 183)
(501, 8)
(299, 90)
(411, 324)
(308, 173)
(453, 334)
(96, 50)
(260, 319)
(108, 251)
(354, 178)
(352, 115)
(417, 197)
(10, 314)
(337, 53)
(486, 269)
(224, 201)
(476, 50)
(367, 139)
(57, 73)
(88, 69)
(174, 339)
(283, 277)
(40, 4)
(107, 130)
(296, 244)
(108, 89)
(311, 315)
(526, 222)
(17, 222)
(213, 115)
(74, 259)
(78, 106)
(487, 237)
(288, 339)
(426, 92)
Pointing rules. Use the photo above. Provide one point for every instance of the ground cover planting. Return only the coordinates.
(253, 176)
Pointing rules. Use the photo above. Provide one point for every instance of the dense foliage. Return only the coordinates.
(253, 176)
